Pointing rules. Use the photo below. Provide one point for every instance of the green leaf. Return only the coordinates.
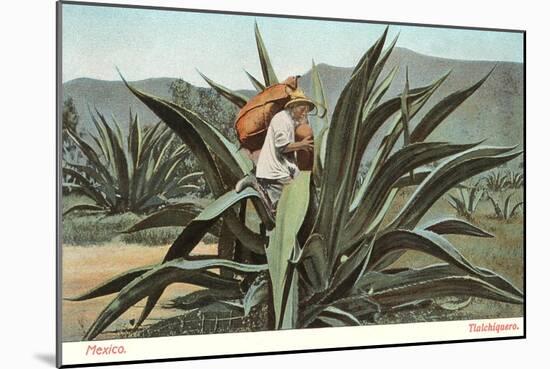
(419, 176)
(195, 137)
(318, 123)
(335, 317)
(405, 108)
(448, 174)
(82, 207)
(164, 218)
(442, 109)
(314, 264)
(151, 282)
(195, 230)
(417, 99)
(456, 226)
(256, 294)
(319, 154)
(91, 155)
(340, 155)
(257, 84)
(202, 298)
(113, 285)
(291, 212)
(389, 246)
(381, 185)
(234, 97)
(381, 113)
(120, 160)
(436, 281)
(87, 187)
(267, 69)
(349, 271)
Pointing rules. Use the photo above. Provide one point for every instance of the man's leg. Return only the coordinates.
(268, 218)
(274, 189)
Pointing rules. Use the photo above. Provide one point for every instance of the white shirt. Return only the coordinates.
(272, 163)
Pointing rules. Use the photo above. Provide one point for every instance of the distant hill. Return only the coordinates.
(494, 112)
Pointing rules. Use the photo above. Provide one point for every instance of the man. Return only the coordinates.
(276, 164)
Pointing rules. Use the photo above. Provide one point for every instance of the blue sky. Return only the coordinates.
(156, 43)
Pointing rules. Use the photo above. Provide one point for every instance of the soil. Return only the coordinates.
(86, 267)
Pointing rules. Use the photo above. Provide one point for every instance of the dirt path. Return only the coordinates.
(80, 275)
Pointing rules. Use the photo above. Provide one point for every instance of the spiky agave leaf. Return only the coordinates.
(313, 264)
(165, 218)
(158, 278)
(196, 230)
(268, 72)
(234, 97)
(202, 298)
(359, 305)
(443, 109)
(87, 188)
(340, 155)
(442, 280)
(83, 207)
(318, 123)
(112, 285)
(455, 226)
(445, 176)
(336, 317)
(92, 156)
(420, 175)
(119, 161)
(257, 84)
(393, 242)
(417, 98)
(256, 294)
(349, 271)
(319, 96)
(291, 212)
(198, 135)
(403, 161)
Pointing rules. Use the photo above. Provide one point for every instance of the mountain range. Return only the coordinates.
(495, 112)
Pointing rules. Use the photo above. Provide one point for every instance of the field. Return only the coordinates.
(94, 250)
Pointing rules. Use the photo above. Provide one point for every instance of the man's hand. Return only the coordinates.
(305, 145)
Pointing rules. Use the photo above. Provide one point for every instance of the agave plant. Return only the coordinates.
(329, 253)
(515, 179)
(497, 181)
(508, 210)
(466, 201)
(139, 174)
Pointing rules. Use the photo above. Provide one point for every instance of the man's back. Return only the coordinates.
(272, 163)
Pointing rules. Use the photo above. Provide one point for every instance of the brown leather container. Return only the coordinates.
(304, 159)
(254, 118)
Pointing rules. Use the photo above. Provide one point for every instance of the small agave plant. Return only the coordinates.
(329, 256)
(507, 210)
(467, 199)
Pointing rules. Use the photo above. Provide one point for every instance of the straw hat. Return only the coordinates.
(299, 97)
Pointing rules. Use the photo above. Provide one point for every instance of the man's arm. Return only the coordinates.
(305, 145)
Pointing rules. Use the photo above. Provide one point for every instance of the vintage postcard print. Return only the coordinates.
(247, 183)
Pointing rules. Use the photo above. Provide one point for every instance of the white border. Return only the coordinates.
(286, 340)
(28, 173)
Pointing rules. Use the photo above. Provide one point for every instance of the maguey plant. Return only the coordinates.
(140, 173)
(329, 253)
